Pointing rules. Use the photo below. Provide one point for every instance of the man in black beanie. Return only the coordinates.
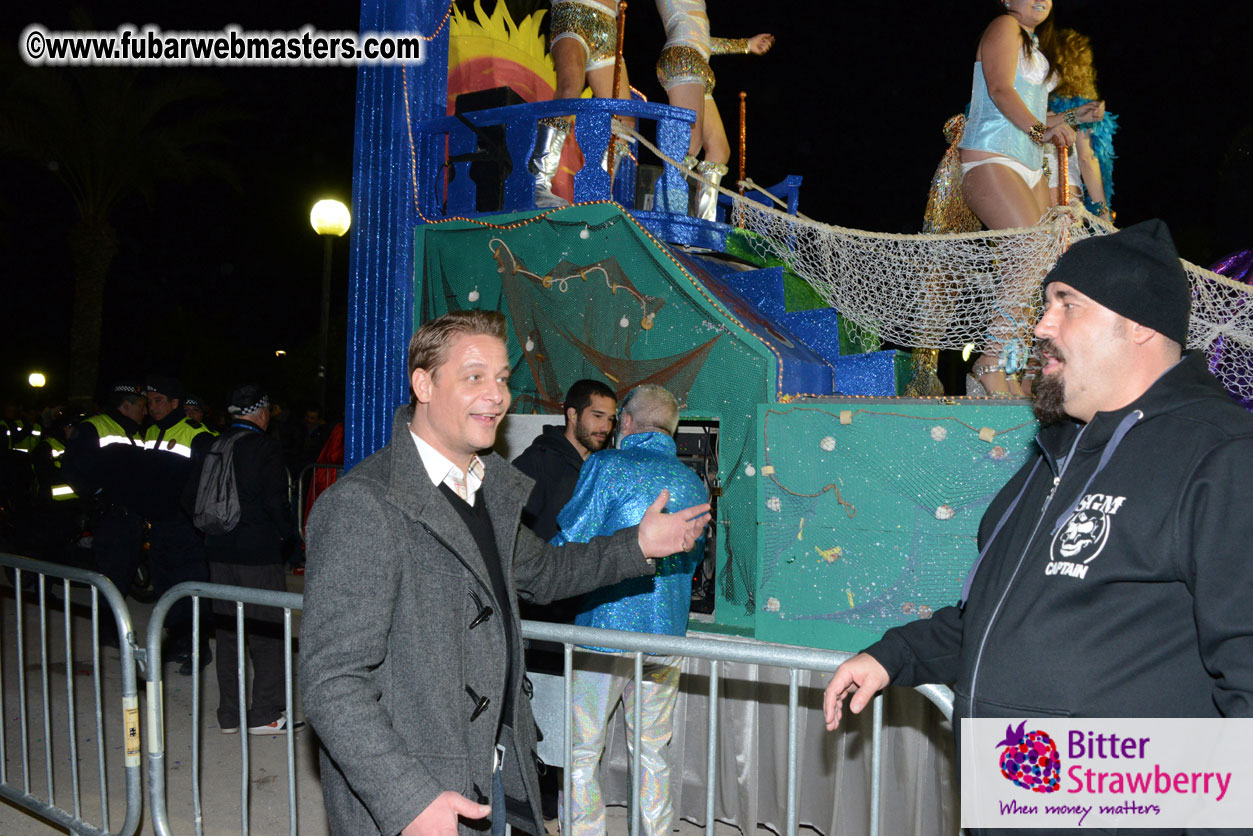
(1114, 573)
(1117, 307)
(251, 555)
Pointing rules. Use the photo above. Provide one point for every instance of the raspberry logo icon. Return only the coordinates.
(1030, 759)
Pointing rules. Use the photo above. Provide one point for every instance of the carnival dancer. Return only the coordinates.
(683, 70)
(1002, 157)
(583, 41)
(1091, 160)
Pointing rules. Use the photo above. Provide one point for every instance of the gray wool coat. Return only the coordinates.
(388, 657)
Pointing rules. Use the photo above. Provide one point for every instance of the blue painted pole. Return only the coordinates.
(380, 298)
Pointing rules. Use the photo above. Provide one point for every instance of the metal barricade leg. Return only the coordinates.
(69, 703)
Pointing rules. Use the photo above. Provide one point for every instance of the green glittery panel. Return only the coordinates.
(869, 522)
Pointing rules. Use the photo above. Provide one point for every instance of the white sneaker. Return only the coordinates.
(279, 726)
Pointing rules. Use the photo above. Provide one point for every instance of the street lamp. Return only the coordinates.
(37, 380)
(330, 219)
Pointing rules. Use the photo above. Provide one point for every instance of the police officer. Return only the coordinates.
(175, 549)
(57, 513)
(193, 406)
(104, 460)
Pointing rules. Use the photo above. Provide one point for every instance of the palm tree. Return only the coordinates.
(110, 135)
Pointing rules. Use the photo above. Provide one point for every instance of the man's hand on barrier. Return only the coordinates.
(440, 816)
(662, 534)
(863, 677)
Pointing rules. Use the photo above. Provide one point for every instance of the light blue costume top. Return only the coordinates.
(987, 129)
(615, 489)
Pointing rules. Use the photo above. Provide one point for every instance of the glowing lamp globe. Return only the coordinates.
(37, 380)
(330, 217)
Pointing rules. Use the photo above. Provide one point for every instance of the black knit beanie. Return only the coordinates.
(1134, 272)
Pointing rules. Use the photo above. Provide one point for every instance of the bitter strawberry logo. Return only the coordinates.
(1030, 759)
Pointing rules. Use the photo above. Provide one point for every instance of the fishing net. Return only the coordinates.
(971, 289)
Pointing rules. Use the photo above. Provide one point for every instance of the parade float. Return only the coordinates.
(842, 507)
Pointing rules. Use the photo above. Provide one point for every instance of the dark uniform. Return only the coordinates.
(104, 460)
(175, 549)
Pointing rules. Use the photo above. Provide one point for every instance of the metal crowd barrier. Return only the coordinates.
(157, 756)
(794, 659)
(30, 579)
(716, 651)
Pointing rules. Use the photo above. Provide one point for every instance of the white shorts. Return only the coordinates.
(1029, 176)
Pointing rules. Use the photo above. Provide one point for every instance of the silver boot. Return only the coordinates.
(621, 150)
(545, 160)
(705, 195)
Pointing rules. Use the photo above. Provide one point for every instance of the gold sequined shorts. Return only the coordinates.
(684, 65)
(596, 31)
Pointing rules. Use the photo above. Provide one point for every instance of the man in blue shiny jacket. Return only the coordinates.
(612, 493)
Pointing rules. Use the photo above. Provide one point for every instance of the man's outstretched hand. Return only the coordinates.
(661, 534)
(863, 677)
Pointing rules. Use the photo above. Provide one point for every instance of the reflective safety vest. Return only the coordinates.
(176, 439)
(111, 432)
(28, 443)
(204, 427)
(61, 490)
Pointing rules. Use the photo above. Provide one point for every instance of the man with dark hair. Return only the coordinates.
(175, 551)
(411, 650)
(1113, 578)
(251, 554)
(104, 462)
(555, 457)
(554, 460)
(610, 496)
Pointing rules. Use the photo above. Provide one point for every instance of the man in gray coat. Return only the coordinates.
(411, 654)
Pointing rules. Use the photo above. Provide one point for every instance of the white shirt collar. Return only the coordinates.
(441, 470)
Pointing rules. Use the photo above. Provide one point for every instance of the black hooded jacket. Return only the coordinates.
(1120, 583)
(554, 464)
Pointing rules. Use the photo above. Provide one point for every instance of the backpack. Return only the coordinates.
(217, 498)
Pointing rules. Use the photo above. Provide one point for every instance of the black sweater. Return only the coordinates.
(554, 464)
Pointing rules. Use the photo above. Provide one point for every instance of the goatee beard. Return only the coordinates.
(1050, 398)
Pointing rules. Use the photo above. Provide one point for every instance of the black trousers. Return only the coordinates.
(263, 629)
(118, 542)
(176, 554)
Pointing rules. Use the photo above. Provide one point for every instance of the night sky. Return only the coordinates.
(210, 280)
